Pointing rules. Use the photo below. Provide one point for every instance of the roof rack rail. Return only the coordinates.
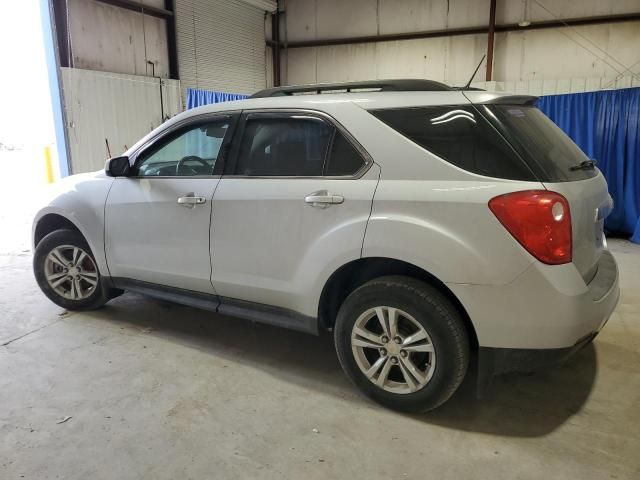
(401, 85)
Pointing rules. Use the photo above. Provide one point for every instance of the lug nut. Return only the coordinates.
(383, 352)
(394, 360)
(385, 339)
(403, 354)
(398, 340)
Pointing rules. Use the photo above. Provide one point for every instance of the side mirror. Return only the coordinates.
(117, 167)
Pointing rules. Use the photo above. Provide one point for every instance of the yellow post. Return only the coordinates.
(48, 165)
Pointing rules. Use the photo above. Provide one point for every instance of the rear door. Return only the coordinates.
(297, 195)
(564, 169)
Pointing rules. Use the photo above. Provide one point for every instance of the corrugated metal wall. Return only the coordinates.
(559, 86)
(221, 45)
(117, 107)
(113, 39)
(547, 60)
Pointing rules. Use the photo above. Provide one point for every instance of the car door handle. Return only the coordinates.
(190, 200)
(323, 199)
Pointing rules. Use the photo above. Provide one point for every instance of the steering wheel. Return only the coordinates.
(180, 165)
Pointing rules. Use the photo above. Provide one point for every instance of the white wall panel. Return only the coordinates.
(560, 86)
(221, 45)
(112, 39)
(117, 107)
(514, 11)
(398, 16)
(450, 60)
(558, 55)
(584, 51)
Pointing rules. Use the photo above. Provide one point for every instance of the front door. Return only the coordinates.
(297, 199)
(157, 220)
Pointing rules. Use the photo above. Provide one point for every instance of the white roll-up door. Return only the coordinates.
(221, 45)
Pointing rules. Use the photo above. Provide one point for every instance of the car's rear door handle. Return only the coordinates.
(323, 199)
(190, 200)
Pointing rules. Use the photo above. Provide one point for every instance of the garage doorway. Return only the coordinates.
(28, 153)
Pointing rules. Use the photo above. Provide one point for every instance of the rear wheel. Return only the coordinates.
(402, 343)
(66, 271)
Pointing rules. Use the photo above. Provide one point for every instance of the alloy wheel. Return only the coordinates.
(71, 272)
(393, 350)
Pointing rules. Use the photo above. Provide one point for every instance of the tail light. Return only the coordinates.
(539, 220)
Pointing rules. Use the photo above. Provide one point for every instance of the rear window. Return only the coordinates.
(461, 136)
(540, 141)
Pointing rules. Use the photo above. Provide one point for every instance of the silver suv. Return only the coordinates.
(425, 226)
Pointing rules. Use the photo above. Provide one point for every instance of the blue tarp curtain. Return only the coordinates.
(604, 124)
(197, 98)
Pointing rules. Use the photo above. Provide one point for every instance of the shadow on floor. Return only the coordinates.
(520, 405)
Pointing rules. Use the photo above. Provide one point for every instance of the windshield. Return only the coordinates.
(541, 142)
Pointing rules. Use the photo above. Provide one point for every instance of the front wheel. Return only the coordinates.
(66, 271)
(403, 343)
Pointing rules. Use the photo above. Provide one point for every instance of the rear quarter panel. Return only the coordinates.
(447, 229)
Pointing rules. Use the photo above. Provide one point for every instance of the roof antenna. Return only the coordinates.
(466, 87)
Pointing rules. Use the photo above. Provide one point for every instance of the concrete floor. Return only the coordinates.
(156, 390)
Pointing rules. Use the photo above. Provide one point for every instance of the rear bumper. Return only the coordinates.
(495, 361)
(546, 307)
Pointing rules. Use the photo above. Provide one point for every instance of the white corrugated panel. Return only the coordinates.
(221, 45)
(556, 86)
(117, 107)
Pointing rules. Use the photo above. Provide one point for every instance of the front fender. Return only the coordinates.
(80, 199)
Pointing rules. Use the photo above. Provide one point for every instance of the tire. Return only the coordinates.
(440, 360)
(63, 242)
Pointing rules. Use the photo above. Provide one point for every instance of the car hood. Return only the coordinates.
(73, 182)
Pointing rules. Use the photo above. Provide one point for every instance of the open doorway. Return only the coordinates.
(27, 134)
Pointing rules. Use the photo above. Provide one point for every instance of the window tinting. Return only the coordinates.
(289, 146)
(344, 159)
(541, 142)
(187, 153)
(459, 135)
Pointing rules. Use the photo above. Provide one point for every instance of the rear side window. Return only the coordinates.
(343, 159)
(541, 142)
(283, 146)
(461, 136)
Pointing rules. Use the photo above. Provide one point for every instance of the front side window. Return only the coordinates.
(461, 136)
(189, 152)
(293, 145)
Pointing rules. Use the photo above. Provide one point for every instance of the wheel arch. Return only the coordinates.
(50, 223)
(357, 272)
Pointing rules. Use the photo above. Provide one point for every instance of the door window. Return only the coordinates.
(189, 152)
(283, 146)
(343, 159)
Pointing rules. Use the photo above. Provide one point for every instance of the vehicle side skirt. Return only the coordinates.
(256, 312)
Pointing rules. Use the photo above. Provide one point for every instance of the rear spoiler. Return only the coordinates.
(487, 98)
